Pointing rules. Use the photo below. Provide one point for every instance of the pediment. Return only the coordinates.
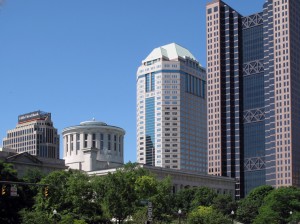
(24, 157)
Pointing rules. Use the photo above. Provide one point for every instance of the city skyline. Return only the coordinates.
(64, 57)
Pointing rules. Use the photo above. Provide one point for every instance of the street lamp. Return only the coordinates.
(291, 213)
(179, 215)
(55, 214)
(232, 214)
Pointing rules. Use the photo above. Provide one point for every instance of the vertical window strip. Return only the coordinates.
(147, 76)
(101, 141)
(194, 85)
(152, 81)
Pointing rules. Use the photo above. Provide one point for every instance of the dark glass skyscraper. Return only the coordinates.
(253, 84)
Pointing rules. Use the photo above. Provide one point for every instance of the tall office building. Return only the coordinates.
(171, 110)
(254, 94)
(34, 134)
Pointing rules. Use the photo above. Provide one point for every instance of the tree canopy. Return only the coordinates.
(249, 206)
(74, 197)
(207, 215)
(280, 206)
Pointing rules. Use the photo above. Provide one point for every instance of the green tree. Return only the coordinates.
(140, 215)
(79, 221)
(277, 206)
(121, 197)
(81, 196)
(70, 193)
(30, 191)
(7, 171)
(224, 203)
(99, 186)
(10, 206)
(203, 196)
(161, 201)
(207, 215)
(127, 187)
(183, 199)
(33, 175)
(68, 219)
(146, 186)
(35, 217)
(249, 206)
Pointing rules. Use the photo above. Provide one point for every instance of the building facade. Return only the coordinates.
(184, 179)
(253, 94)
(24, 162)
(93, 145)
(171, 110)
(34, 134)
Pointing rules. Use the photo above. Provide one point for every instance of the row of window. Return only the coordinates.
(113, 141)
(195, 86)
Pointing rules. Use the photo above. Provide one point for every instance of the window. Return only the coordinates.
(120, 140)
(94, 140)
(67, 144)
(115, 142)
(71, 137)
(77, 141)
(101, 141)
(109, 143)
(85, 140)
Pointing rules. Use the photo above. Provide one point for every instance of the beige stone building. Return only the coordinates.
(185, 179)
(24, 161)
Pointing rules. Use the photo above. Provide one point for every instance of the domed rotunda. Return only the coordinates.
(93, 145)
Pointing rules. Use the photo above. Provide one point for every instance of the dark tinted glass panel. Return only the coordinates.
(253, 43)
(254, 179)
(253, 91)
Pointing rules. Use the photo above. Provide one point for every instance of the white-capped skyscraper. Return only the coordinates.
(171, 110)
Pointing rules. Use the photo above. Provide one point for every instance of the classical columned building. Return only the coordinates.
(93, 145)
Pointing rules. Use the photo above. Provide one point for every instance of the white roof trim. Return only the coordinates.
(171, 51)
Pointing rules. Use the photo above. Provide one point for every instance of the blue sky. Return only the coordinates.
(78, 59)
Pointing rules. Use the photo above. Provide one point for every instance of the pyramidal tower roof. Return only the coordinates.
(170, 51)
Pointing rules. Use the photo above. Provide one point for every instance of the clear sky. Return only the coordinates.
(78, 58)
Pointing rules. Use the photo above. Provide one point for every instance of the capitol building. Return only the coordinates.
(93, 145)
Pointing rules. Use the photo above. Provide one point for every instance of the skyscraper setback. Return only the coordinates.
(171, 110)
(253, 86)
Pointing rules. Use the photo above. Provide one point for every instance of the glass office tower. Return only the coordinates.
(171, 110)
(253, 94)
